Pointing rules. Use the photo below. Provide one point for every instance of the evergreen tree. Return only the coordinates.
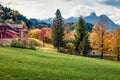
(84, 46)
(81, 37)
(58, 30)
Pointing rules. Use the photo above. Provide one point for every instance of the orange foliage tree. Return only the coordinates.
(116, 42)
(100, 38)
(69, 35)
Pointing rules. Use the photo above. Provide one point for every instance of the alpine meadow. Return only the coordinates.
(59, 40)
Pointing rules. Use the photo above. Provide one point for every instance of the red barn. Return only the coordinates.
(8, 31)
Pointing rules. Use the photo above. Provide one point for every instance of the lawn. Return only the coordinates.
(23, 64)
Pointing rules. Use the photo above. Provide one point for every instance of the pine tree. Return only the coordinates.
(58, 30)
(81, 37)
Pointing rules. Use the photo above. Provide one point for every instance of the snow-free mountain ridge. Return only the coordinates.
(92, 19)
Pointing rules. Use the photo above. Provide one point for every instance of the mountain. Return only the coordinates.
(39, 23)
(49, 20)
(71, 20)
(92, 19)
(68, 20)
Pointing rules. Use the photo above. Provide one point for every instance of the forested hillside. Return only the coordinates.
(13, 16)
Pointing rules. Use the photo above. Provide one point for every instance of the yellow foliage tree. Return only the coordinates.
(34, 33)
(69, 35)
(100, 39)
(116, 41)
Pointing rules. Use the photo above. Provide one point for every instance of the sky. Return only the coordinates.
(43, 9)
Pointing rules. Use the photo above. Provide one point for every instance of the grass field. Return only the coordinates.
(23, 64)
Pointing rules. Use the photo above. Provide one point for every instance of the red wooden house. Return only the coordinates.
(8, 31)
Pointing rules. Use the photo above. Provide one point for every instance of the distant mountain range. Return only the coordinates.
(92, 19)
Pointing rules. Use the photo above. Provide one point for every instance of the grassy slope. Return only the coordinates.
(21, 64)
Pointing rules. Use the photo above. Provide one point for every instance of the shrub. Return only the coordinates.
(15, 43)
(23, 43)
(36, 42)
(61, 49)
(32, 45)
(4, 43)
(70, 48)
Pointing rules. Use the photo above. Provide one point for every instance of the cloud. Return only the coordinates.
(98, 8)
(11, 3)
(67, 0)
(0, 2)
(81, 10)
(46, 8)
(115, 3)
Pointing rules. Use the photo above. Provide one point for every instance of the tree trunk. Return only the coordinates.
(101, 56)
(118, 57)
(43, 44)
(58, 49)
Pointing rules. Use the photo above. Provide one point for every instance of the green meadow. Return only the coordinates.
(24, 64)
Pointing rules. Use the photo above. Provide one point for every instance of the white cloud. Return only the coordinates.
(46, 8)
(85, 10)
(81, 10)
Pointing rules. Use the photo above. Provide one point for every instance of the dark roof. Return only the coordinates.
(12, 25)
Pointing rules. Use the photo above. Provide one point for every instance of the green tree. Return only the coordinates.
(58, 30)
(81, 37)
(84, 46)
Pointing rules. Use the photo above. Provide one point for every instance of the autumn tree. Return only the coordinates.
(81, 37)
(45, 35)
(116, 42)
(58, 30)
(107, 42)
(95, 41)
(100, 33)
(69, 35)
(34, 33)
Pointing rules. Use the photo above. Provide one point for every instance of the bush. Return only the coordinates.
(4, 43)
(70, 48)
(15, 43)
(23, 43)
(36, 42)
(61, 49)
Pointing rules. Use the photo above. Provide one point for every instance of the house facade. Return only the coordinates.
(8, 31)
